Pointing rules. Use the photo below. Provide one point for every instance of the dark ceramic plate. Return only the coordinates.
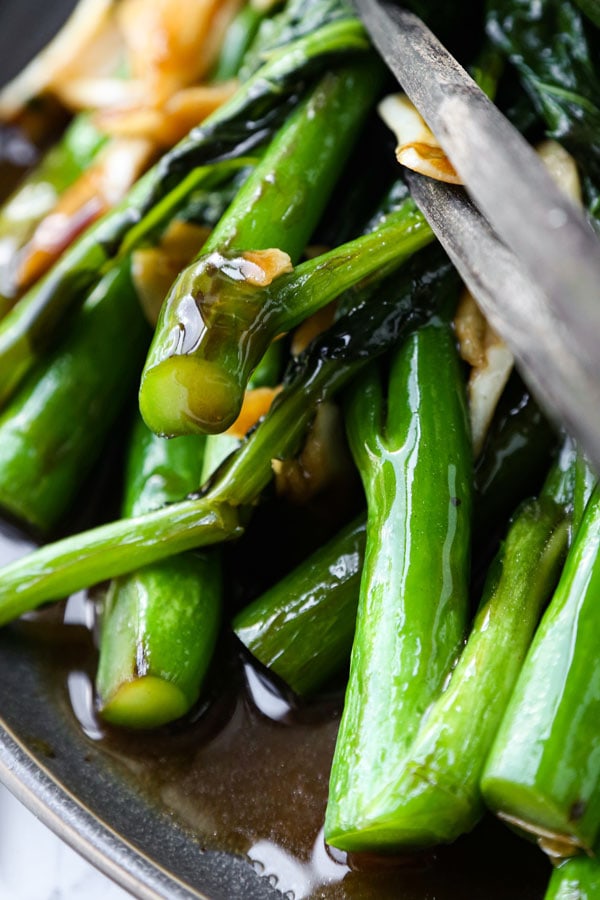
(231, 803)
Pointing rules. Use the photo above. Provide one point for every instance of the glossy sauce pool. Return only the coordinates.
(247, 772)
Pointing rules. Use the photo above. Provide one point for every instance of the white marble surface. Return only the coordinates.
(36, 865)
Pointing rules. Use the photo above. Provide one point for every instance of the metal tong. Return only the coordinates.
(526, 253)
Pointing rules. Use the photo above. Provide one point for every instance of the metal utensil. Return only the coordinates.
(535, 246)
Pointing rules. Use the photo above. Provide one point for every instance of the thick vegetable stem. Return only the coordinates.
(58, 569)
(237, 41)
(191, 381)
(251, 317)
(543, 773)
(411, 443)
(159, 624)
(575, 879)
(437, 796)
(585, 482)
(55, 428)
(302, 628)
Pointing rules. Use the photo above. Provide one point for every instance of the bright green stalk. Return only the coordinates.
(575, 879)
(302, 628)
(436, 798)
(209, 322)
(159, 624)
(411, 443)
(402, 303)
(561, 482)
(245, 122)
(55, 428)
(543, 773)
(159, 631)
(57, 570)
(219, 447)
(158, 471)
(210, 380)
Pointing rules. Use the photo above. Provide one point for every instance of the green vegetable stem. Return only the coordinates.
(237, 41)
(302, 628)
(55, 428)
(575, 879)
(411, 443)
(436, 798)
(543, 773)
(585, 482)
(203, 390)
(192, 380)
(159, 624)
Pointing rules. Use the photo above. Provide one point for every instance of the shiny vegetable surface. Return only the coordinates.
(191, 381)
(221, 319)
(159, 624)
(575, 879)
(410, 438)
(437, 798)
(305, 359)
(543, 772)
(302, 628)
(55, 428)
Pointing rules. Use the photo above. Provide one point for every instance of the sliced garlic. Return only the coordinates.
(323, 462)
(311, 327)
(172, 44)
(418, 148)
(100, 93)
(96, 190)
(491, 362)
(480, 346)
